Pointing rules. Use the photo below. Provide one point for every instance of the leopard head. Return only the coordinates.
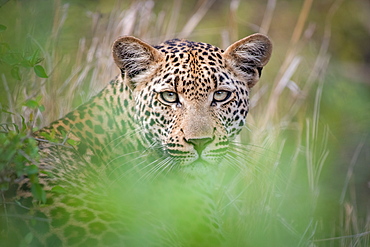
(191, 99)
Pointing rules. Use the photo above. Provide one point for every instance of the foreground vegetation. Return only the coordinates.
(305, 182)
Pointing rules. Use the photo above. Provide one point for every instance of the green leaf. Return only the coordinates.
(59, 190)
(24, 125)
(42, 108)
(15, 73)
(33, 104)
(73, 142)
(12, 58)
(2, 28)
(28, 238)
(38, 98)
(49, 136)
(47, 173)
(25, 63)
(34, 59)
(38, 192)
(40, 71)
(32, 169)
(4, 186)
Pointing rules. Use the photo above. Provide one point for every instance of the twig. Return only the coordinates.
(195, 19)
(53, 143)
(351, 168)
(9, 95)
(343, 237)
(297, 33)
(266, 21)
(21, 152)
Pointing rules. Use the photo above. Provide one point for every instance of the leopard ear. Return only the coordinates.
(249, 55)
(134, 56)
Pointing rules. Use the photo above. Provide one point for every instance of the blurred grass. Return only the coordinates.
(307, 180)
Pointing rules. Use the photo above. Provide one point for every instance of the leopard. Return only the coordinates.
(172, 114)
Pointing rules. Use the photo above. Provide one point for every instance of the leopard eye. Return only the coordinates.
(221, 95)
(169, 97)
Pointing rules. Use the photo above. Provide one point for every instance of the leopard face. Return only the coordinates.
(191, 98)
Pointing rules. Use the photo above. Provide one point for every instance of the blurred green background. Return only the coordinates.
(310, 111)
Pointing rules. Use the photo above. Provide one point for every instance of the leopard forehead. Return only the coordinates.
(192, 69)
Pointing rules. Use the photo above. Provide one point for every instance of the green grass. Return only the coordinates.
(304, 183)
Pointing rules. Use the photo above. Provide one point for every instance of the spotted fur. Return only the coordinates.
(175, 105)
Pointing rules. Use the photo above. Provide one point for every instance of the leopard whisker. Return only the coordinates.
(155, 169)
(249, 146)
(120, 139)
(234, 162)
(246, 161)
(161, 168)
(171, 164)
(121, 156)
(118, 167)
(252, 150)
(127, 173)
(143, 157)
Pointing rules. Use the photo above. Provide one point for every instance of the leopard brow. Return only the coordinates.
(226, 88)
(164, 89)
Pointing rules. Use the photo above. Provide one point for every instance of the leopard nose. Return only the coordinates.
(200, 143)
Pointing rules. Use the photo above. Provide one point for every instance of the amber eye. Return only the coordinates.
(169, 97)
(221, 95)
